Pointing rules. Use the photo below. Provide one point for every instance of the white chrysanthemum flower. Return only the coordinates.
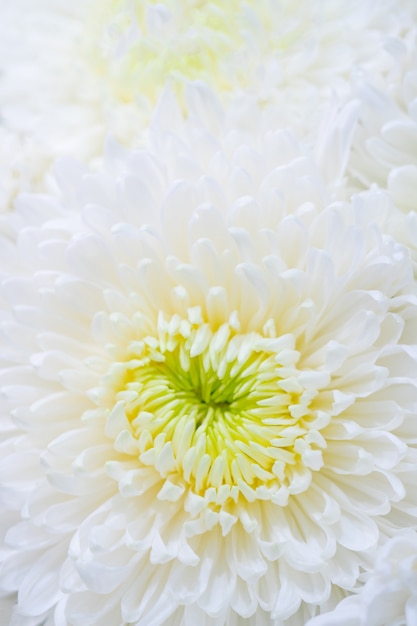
(73, 72)
(384, 144)
(389, 596)
(260, 46)
(209, 391)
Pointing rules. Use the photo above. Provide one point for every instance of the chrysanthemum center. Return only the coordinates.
(215, 407)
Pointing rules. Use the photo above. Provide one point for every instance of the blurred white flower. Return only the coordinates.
(262, 47)
(384, 141)
(384, 144)
(73, 72)
(389, 596)
(208, 379)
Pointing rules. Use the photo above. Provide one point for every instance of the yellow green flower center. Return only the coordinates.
(217, 408)
(144, 43)
(140, 46)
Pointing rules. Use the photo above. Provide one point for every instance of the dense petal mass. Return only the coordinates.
(208, 375)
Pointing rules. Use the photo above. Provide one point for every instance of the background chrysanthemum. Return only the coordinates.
(384, 140)
(389, 595)
(74, 72)
(209, 388)
(383, 150)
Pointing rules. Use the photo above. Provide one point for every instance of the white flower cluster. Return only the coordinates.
(208, 313)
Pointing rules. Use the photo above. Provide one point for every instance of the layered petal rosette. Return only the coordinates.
(209, 389)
